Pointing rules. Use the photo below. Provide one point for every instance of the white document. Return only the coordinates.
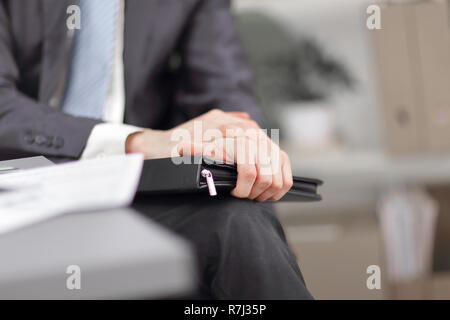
(32, 195)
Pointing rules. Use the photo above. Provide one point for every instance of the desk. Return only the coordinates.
(120, 253)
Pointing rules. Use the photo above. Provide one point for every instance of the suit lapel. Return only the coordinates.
(140, 20)
(56, 48)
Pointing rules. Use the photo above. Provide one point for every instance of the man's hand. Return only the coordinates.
(264, 171)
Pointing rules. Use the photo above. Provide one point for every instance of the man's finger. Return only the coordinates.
(264, 167)
(243, 115)
(287, 178)
(245, 160)
(276, 187)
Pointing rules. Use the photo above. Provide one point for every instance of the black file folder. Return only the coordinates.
(186, 175)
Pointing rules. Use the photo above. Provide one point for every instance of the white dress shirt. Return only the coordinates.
(109, 138)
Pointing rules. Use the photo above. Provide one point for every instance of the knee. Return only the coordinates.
(239, 219)
(240, 211)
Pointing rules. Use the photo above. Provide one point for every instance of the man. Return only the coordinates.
(67, 87)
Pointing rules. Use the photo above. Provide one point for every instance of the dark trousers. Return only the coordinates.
(241, 247)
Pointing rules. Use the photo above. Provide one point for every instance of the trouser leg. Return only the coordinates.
(241, 247)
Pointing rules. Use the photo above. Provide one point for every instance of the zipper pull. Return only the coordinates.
(210, 181)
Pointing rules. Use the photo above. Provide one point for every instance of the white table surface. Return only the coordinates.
(120, 253)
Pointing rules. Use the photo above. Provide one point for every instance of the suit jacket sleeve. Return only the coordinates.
(215, 73)
(26, 126)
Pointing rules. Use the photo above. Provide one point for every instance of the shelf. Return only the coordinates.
(371, 168)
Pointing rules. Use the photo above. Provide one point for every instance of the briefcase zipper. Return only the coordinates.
(210, 182)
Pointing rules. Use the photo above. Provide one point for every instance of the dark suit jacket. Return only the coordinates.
(181, 58)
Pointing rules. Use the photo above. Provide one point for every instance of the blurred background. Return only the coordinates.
(368, 112)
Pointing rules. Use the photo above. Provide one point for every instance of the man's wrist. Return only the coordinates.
(152, 143)
(133, 143)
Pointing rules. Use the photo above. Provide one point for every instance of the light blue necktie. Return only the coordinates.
(92, 59)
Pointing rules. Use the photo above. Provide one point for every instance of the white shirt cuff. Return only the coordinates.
(108, 139)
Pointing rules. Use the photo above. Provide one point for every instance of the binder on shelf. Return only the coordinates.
(413, 64)
(396, 81)
(433, 46)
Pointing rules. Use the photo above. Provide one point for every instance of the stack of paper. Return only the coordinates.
(407, 219)
(31, 195)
